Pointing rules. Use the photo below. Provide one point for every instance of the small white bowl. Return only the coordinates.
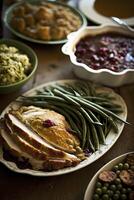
(102, 76)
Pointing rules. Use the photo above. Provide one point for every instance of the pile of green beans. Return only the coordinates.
(91, 115)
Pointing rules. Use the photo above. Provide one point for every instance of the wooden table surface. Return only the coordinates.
(53, 65)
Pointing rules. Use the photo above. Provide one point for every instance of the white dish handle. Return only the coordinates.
(71, 35)
(65, 49)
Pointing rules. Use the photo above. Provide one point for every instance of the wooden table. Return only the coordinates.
(53, 65)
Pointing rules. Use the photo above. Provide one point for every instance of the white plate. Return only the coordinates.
(110, 140)
(108, 166)
(87, 7)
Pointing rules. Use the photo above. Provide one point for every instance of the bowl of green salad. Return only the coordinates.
(18, 63)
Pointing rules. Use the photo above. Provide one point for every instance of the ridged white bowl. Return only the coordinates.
(102, 76)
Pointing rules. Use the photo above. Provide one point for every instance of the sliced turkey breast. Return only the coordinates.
(40, 137)
(50, 125)
(25, 146)
(23, 155)
(15, 150)
(36, 141)
(30, 136)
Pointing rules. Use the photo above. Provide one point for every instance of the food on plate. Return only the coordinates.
(45, 21)
(59, 126)
(110, 51)
(90, 114)
(118, 8)
(127, 177)
(41, 137)
(117, 183)
(107, 176)
(49, 125)
(14, 65)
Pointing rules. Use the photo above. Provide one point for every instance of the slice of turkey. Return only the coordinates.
(58, 135)
(25, 146)
(45, 164)
(15, 150)
(36, 141)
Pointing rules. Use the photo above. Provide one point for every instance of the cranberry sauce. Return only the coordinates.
(110, 51)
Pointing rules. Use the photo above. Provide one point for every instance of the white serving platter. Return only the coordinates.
(110, 140)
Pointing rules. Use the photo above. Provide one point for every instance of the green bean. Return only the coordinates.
(79, 89)
(46, 91)
(50, 91)
(91, 89)
(64, 96)
(105, 127)
(45, 97)
(71, 92)
(96, 98)
(99, 128)
(76, 118)
(93, 116)
(67, 116)
(60, 88)
(109, 112)
(101, 134)
(39, 92)
(108, 129)
(89, 142)
(84, 127)
(36, 103)
(75, 92)
(95, 108)
(67, 88)
(107, 104)
(84, 89)
(116, 110)
(95, 137)
(102, 111)
(106, 96)
(87, 116)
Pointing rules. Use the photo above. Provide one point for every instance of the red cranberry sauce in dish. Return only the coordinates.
(111, 51)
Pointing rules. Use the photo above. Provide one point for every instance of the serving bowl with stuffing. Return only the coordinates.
(45, 22)
(103, 54)
(18, 63)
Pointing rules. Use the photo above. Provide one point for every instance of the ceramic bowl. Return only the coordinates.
(91, 186)
(9, 12)
(33, 60)
(102, 76)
